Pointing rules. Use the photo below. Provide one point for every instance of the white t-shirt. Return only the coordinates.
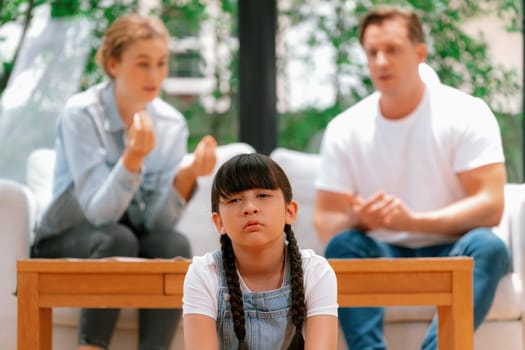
(416, 158)
(201, 286)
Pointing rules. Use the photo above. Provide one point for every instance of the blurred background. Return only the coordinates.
(47, 52)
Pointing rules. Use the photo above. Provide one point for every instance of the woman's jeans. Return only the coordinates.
(363, 327)
(156, 326)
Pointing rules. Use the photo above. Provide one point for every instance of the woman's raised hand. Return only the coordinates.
(205, 156)
(140, 141)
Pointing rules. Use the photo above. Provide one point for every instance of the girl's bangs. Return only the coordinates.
(247, 173)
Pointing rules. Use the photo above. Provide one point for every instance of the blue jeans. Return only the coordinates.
(363, 327)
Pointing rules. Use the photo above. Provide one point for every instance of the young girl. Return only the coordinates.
(259, 289)
(119, 186)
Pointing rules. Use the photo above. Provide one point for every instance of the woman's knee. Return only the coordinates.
(114, 240)
(165, 245)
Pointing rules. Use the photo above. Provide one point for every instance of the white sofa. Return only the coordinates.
(21, 204)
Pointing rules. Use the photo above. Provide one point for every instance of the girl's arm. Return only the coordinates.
(321, 332)
(200, 332)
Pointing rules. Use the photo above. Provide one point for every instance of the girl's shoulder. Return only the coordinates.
(203, 269)
(320, 284)
(310, 254)
(205, 261)
(312, 260)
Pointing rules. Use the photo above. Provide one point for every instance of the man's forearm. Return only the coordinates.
(460, 216)
(327, 225)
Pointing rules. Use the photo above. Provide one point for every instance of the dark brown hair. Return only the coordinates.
(125, 31)
(244, 172)
(384, 13)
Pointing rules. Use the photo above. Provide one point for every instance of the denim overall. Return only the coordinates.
(268, 321)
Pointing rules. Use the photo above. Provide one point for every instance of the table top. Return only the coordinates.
(178, 265)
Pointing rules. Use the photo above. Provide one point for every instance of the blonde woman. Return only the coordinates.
(119, 186)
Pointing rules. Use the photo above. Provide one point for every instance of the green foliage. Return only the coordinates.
(300, 130)
(15, 10)
(102, 13)
(64, 8)
(460, 59)
(21, 12)
(511, 130)
(183, 18)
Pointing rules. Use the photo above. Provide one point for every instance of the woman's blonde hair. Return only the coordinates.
(125, 31)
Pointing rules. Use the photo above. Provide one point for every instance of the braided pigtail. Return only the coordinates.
(234, 290)
(298, 303)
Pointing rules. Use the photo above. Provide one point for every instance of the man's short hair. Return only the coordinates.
(384, 13)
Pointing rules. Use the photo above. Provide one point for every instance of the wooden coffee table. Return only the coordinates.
(128, 283)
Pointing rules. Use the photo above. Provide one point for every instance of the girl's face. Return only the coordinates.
(254, 217)
(139, 73)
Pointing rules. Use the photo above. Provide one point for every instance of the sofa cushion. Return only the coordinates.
(302, 169)
(39, 177)
(512, 225)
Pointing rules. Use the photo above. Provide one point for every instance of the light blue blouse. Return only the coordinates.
(90, 180)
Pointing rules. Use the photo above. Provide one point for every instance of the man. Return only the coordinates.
(413, 170)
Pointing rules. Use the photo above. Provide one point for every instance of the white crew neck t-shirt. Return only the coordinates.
(201, 286)
(416, 158)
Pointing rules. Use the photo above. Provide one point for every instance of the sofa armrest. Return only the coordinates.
(39, 178)
(512, 226)
(16, 217)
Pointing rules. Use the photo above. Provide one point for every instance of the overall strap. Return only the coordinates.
(217, 256)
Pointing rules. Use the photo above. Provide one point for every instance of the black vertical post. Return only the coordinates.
(257, 80)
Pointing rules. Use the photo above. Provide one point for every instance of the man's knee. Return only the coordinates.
(484, 244)
(485, 241)
(348, 244)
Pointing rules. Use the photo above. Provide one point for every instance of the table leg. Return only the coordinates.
(445, 328)
(34, 324)
(463, 310)
(46, 322)
(456, 321)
